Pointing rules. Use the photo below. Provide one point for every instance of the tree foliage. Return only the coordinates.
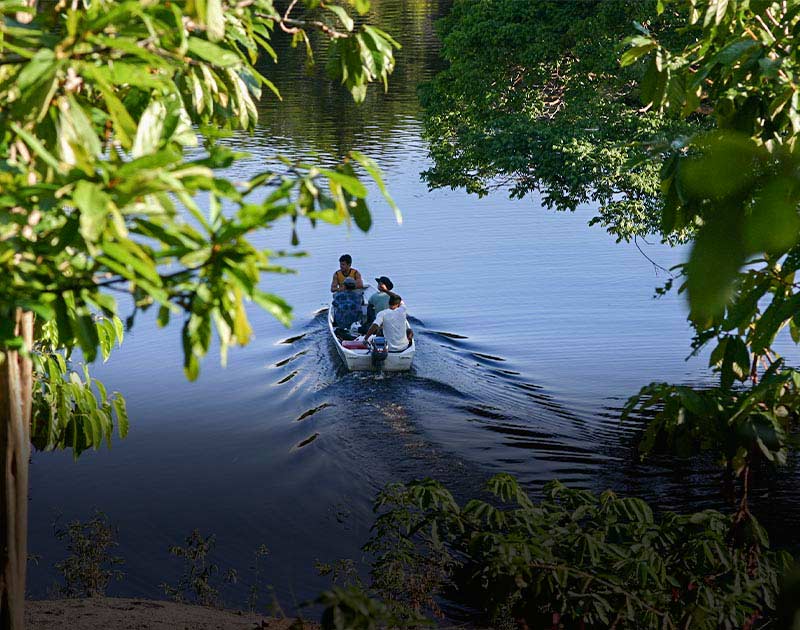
(710, 88)
(110, 115)
(738, 182)
(737, 185)
(549, 109)
(574, 558)
(70, 409)
(740, 427)
(690, 131)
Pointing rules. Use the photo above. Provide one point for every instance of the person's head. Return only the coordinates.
(349, 283)
(387, 284)
(395, 301)
(345, 261)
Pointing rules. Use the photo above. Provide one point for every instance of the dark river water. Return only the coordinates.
(532, 329)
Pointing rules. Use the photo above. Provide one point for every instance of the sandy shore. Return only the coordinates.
(137, 614)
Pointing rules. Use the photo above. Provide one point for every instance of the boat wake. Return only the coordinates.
(460, 408)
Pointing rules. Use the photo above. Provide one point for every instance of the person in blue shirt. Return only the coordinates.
(347, 305)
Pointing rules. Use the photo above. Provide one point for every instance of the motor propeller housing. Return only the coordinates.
(380, 350)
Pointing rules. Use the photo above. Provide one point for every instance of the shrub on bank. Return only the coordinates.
(574, 558)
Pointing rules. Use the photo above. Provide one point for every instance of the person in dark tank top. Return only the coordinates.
(345, 271)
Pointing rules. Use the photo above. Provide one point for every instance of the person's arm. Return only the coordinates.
(375, 326)
(372, 330)
(334, 284)
(359, 281)
(391, 293)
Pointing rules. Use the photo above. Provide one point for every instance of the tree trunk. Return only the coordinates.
(15, 448)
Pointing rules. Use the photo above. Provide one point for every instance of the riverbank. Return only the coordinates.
(137, 614)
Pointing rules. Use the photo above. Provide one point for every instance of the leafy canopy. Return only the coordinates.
(738, 185)
(110, 116)
(738, 181)
(689, 129)
(548, 110)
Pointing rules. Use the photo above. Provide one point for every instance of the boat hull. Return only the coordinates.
(361, 360)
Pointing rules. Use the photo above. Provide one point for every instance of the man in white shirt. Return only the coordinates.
(395, 326)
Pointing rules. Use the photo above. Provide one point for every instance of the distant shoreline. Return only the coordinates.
(128, 614)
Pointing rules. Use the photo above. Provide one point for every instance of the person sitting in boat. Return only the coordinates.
(394, 324)
(347, 305)
(379, 301)
(345, 271)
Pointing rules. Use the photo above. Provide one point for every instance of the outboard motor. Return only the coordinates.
(380, 350)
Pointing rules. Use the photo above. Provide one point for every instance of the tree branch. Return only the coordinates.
(652, 262)
(291, 25)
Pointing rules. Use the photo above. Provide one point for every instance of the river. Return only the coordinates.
(533, 329)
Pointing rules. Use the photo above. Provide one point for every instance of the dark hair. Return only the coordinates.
(346, 258)
(395, 299)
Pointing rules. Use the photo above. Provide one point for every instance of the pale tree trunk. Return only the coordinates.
(16, 385)
(15, 448)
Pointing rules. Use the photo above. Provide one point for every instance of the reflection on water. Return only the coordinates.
(532, 331)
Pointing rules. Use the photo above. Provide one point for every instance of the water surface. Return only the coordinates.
(532, 329)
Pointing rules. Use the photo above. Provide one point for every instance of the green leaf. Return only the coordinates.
(733, 51)
(632, 55)
(37, 147)
(163, 316)
(191, 367)
(350, 184)
(329, 216)
(39, 68)
(124, 125)
(362, 6)
(63, 321)
(133, 74)
(118, 328)
(715, 13)
(86, 333)
(129, 255)
(215, 20)
(360, 214)
(716, 257)
(78, 142)
(42, 308)
(771, 321)
(274, 305)
(649, 82)
(150, 129)
(722, 8)
(94, 203)
(374, 171)
(105, 331)
(121, 411)
(794, 331)
(241, 326)
(341, 13)
(214, 54)
(735, 363)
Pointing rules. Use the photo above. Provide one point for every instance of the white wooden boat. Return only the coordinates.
(361, 358)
